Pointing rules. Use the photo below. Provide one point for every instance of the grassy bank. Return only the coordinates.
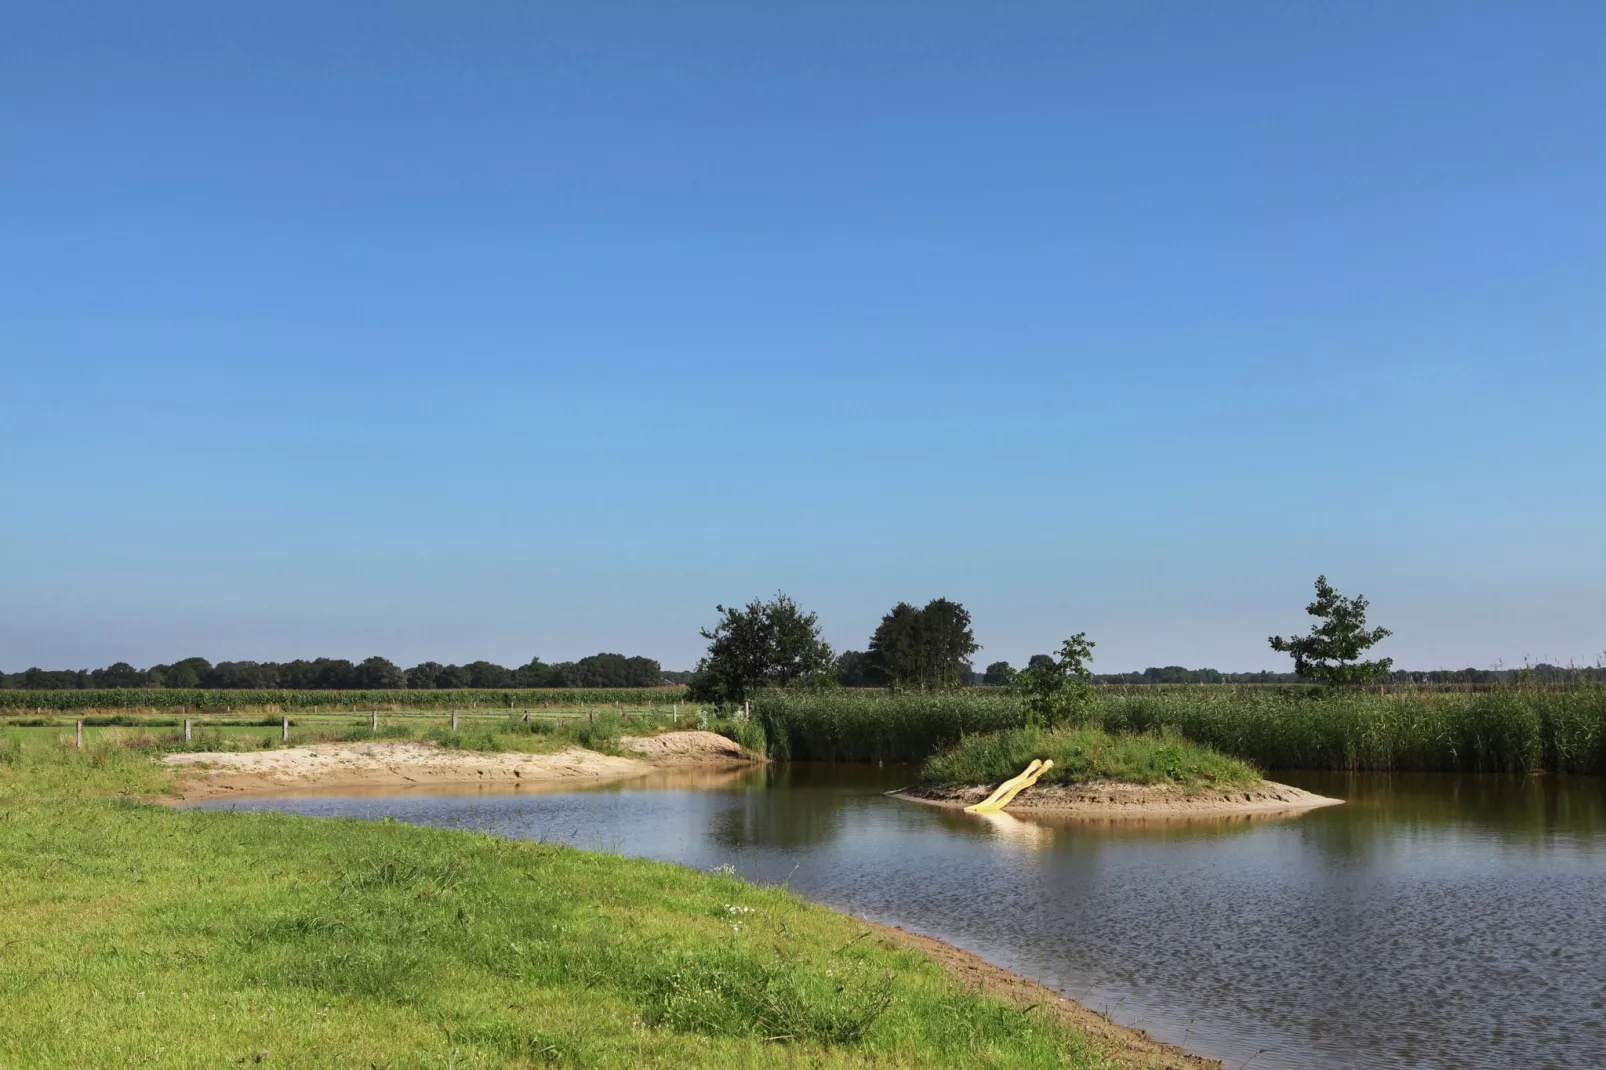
(1081, 755)
(543, 732)
(1507, 729)
(158, 698)
(137, 935)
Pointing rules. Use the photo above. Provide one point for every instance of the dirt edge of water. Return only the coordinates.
(211, 775)
(1125, 1046)
(1109, 799)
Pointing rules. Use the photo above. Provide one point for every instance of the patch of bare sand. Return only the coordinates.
(1124, 1046)
(381, 764)
(680, 748)
(1107, 799)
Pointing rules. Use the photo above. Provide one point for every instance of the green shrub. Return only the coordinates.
(1086, 754)
(746, 732)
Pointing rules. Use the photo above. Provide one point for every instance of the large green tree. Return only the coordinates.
(765, 644)
(1332, 651)
(927, 648)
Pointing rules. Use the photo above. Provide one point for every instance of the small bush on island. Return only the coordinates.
(1081, 755)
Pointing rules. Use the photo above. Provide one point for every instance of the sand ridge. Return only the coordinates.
(207, 775)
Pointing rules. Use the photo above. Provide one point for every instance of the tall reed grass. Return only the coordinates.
(1510, 729)
(861, 725)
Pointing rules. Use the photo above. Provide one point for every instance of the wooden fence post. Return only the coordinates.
(454, 720)
(284, 730)
(375, 725)
(80, 735)
(186, 729)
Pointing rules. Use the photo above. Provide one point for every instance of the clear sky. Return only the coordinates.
(486, 330)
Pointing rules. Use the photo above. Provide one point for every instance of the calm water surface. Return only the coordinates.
(1432, 921)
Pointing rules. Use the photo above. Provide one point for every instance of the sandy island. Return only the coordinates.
(1108, 799)
(402, 764)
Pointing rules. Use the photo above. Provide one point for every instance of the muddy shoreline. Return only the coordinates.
(1125, 1046)
(1108, 799)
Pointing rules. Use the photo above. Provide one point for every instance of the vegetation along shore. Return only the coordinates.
(1513, 728)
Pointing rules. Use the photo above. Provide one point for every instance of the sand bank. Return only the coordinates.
(1106, 799)
(209, 775)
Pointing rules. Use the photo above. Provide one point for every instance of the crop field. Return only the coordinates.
(243, 700)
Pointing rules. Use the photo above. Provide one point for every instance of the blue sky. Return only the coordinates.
(458, 331)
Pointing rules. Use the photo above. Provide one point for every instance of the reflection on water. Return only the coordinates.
(1432, 921)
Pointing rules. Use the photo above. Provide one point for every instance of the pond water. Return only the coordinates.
(1432, 921)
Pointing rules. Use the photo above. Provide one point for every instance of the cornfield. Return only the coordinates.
(157, 698)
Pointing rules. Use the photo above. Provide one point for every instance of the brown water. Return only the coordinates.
(1432, 921)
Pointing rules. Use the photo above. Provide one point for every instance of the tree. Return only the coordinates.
(1330, 653)
(487, 674)
(424, 676)
(534, 673)
(998, 674)
(380, 674)
(1058, 690)
(117, 674)
(853, 669)
(926, 648)
(767, 644)
(186, 673)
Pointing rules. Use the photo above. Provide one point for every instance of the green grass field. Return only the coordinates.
(477, 729)
(1086, 754)
(135, 935)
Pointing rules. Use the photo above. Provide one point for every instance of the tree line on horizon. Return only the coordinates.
(851, 669)
(340, 674)
(778, 644)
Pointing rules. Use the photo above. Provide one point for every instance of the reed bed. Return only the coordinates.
(861, 725)
(1512, 729)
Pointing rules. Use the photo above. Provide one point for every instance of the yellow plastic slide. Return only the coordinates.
(1012, 787)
